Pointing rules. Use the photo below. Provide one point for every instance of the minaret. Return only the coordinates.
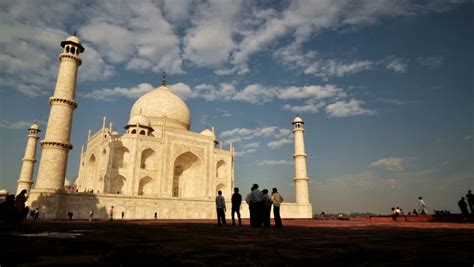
(301, 178)
(26, 174)
(56, 145)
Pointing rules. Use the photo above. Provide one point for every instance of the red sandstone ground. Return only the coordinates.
(300, 242)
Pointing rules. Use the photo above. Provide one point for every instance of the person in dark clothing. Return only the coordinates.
(267, 208)
(250, 202)
(470, 200)
(236, 201)
(7, 210)
(463, 206)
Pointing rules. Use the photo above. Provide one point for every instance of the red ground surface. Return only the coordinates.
(198, 242)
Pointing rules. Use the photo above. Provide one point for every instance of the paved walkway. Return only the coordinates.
(200, 242)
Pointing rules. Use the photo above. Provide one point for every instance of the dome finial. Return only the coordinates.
(163, 79)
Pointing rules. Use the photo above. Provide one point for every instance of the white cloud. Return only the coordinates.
(280, 142)
(310, 107)
(177, 10)
(18, 125)
(396, 64)
(313, 91)
(110, 94)
(390, 163)
(210, 42)
(255, 94)
(431, 62)
(274, 162)
(182, 90)
(346, 109)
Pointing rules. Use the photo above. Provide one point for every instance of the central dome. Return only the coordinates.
(162, 106)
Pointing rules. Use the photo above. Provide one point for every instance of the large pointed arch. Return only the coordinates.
(187, 176)
(145, 186)
(147, 159)
(121, 158)
(115, 184)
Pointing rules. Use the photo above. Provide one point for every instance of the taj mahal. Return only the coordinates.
(156, 165)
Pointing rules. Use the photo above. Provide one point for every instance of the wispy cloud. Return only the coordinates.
(110, 94)
(274, 162)
(390, 163)
(349, 108)
(18, 125)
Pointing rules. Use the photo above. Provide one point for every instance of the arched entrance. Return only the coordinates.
(187, 176)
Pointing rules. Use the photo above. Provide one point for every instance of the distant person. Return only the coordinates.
(20, 205)
(257, 198)
(69, 215)
(463, 206)
(91, 214)
(250, 202)
(37, 213)
(398, 211)
(394, 214)
(111, 213)
(470, 200)
(123, 214)
(220, 207)
(267, 208)
(421, 205)
(277, 200)
(156, 215)
(415, 212)
(236, 201)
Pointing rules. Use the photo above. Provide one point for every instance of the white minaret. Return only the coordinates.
(56, 145)
(301, 178)
(25, 180)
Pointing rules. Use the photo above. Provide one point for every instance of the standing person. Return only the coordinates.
(111, 213)
(156, 215)
(422, 205)
(91, 213)
(20, 205)
(236, 201)
(267, 208)
(277, 200)
(257, 198)
(463, 206)
(220, 207)
(250, 201)
(470, 200)
(37, 213)
(123, 214)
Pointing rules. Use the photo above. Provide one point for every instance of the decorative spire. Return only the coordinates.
(163, 79)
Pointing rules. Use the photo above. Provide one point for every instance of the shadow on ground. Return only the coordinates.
(203, 243)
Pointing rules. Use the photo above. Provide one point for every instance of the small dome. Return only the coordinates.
(115, 133)
(209, 133)
(162, 106)
(140, 120)
(74, 39)
(34, 126)
(3, 192)
(297, 120)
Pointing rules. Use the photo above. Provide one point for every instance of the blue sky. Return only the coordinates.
(385, 87)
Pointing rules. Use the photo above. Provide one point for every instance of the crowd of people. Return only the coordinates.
(260, 205)
(14, 209)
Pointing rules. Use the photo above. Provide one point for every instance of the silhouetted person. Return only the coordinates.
(463, 206)
(20, 205)
(277, 200)
(91, 214)
(415, 212)
(37, 213)
(69, 215)
(250, 202)
(236, 201)
(7, 209)
(111, 213)
(470, 200)
(257, 200)
(267, 208)
(156, 215)
(123, 214)
(220, 207)
(422, 205)
(394, 214)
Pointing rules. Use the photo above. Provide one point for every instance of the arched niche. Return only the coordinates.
(220, 187)
(148, 159)
(121, 157)
(145, 186)
(115, 184)
(90, 172)
(221, 169)
(187, 176)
